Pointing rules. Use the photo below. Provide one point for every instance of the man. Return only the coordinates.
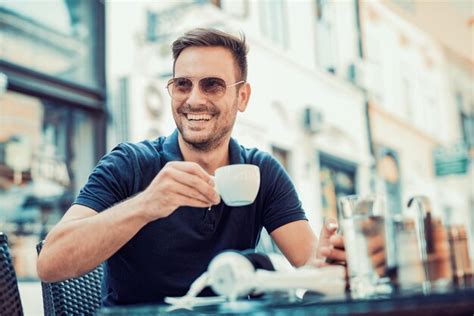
(150, 211)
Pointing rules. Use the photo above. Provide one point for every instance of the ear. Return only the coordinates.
(244, 96)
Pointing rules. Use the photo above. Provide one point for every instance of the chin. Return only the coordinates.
(196, 138)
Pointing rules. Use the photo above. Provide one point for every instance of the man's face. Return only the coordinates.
(202, 122)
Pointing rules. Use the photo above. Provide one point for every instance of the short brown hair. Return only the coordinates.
(208, 37)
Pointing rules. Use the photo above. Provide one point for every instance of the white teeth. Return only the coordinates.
(198, 117)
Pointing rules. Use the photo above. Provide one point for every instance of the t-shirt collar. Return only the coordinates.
(236, 154)
(172, 152)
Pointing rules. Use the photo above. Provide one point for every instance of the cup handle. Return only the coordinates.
(215, 184)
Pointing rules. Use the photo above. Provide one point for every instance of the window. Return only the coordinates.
(325, 35)
(55, 37)
(52, 114)
(46, 154)
(468, 129)
(389, 171)
(467, 120)
(273, 22)
(237, 8)
(374, 54)
(337, 179)
(282, 156)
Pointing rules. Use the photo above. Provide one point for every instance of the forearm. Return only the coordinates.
(297, 242)
(77, 246)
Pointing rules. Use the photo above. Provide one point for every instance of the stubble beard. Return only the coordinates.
(213, 141)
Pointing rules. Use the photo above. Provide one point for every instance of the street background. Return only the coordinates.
(351, 96)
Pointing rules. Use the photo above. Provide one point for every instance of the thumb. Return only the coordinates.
(329, 228)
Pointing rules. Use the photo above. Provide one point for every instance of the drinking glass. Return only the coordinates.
(364, 230)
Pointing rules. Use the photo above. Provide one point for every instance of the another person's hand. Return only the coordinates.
(330, 248)
(372, 228)
(178, 184)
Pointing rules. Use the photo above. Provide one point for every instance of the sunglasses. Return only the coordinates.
(213, 87)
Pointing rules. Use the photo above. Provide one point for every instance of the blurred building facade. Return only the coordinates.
(419, 80)
(52, 115)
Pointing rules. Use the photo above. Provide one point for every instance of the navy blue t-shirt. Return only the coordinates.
(168, 254)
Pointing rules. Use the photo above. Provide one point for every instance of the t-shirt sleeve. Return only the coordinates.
(110, 182)
(281, 202)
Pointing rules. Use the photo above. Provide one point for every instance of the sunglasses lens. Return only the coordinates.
(213, 87)
(181, 87)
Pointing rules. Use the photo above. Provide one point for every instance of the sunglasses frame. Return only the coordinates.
(171, 81)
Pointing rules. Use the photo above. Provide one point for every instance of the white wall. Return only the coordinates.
(405, 53)
(276, 109)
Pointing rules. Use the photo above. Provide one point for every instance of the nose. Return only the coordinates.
(196, 97)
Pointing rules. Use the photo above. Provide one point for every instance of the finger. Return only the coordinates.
(378, 259)
(192, 168)
(183, 200)
(371, 226)
(380, 270)
(321, 264)
(375, 244)
(329, 228)
(179, 189)
(335, 262)
(337, 241)
(324, 251)
(318, 263)
(194, 182)
(337, 254)
(379, 263)
(333, 254)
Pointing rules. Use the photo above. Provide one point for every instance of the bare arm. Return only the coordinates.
(83, 238)
(300, 245)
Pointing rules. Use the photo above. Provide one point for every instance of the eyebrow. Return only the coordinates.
(196, 77)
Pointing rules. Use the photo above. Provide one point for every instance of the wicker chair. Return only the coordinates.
(10, 302)
(72, 297)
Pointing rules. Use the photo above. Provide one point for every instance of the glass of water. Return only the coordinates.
(364, 230)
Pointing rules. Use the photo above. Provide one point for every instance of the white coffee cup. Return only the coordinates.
(238, 184)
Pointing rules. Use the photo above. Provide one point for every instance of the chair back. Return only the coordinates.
(10, 302)
(74, 296)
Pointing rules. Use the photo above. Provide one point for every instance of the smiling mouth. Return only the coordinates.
(198, 117)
